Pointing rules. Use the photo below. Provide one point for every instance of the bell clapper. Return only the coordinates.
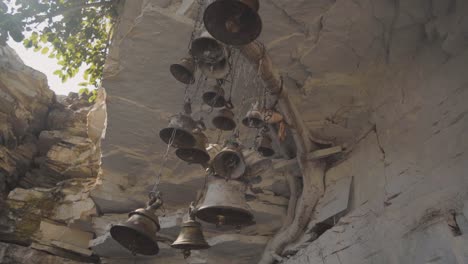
(186, 253)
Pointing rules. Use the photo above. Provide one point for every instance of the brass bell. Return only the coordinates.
(229, 162)
(253, 118)
(207, 49)
(184, 70)
(138, 234)
(190, 236)
(224, 119)
(265, 147)
(217, 70)
(214, 97)
(179, 131)
(233, 22)
(196, 154)
(224, 204)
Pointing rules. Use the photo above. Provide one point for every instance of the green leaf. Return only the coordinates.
(45, 50)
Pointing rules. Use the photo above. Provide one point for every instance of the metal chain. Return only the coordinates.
(154, 191)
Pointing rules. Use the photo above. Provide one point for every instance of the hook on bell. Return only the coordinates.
(138, 233)
(224, 204)
(184, 70)
(196, 154)
(191, 235)
(179, 131)
(224, 119)
(214, 97)
(233, 22)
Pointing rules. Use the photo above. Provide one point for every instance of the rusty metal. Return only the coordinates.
(224, 204)
(224, 119)
(184, 70)
(233, 22)
(229, 162)
(180, 129)
(265, 147)
(196, 154)
(214, 97)
(138, 233)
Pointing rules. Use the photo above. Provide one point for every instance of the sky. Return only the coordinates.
(47, 66)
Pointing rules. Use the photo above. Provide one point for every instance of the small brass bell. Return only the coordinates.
(207, 49)
(214, 97)
(253, 119)
(191, 235)
(224, 204)
(196, 154)
(265, 147)
(179, 131)
(224, 119)
(233, 22)
(138, 234)
(217, 70)
(229, 162)
(184, 70)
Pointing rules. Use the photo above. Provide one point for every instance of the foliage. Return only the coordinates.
(71, 31)
(92, 95)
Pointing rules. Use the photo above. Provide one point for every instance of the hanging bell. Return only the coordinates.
(214, 97)
(138, 234)
(253, 119)
(229, 162)
(184, 70)
(265, 147)
(190, 236)
(196, 154)
(233, 22)
(207, 49)
(224, 204)
(224, 119)
(217, 70)
(179, 131)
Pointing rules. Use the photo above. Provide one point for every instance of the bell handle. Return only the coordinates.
(155, 201)
(192, 211)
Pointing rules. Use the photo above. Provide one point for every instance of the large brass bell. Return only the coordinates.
(138, 234)
(190, 236)
(179, 132)
(224, 204)
(229, 162)
(253, 119)
(224, 119)
(265, 147)
(214, 97)
(217, 70)
(184, 70)
(207, 49)
(233, 22)
(196, 154)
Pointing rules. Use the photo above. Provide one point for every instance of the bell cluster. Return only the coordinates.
(228, 24)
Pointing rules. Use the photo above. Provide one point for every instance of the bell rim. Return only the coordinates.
(231, 124)
(186, 245)
(234, 40)
(249, 217)
(174, 67)
(208, 97)
(121, 241)
(205, 157)
(245, 122)
(266, 152)
(166, 133)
